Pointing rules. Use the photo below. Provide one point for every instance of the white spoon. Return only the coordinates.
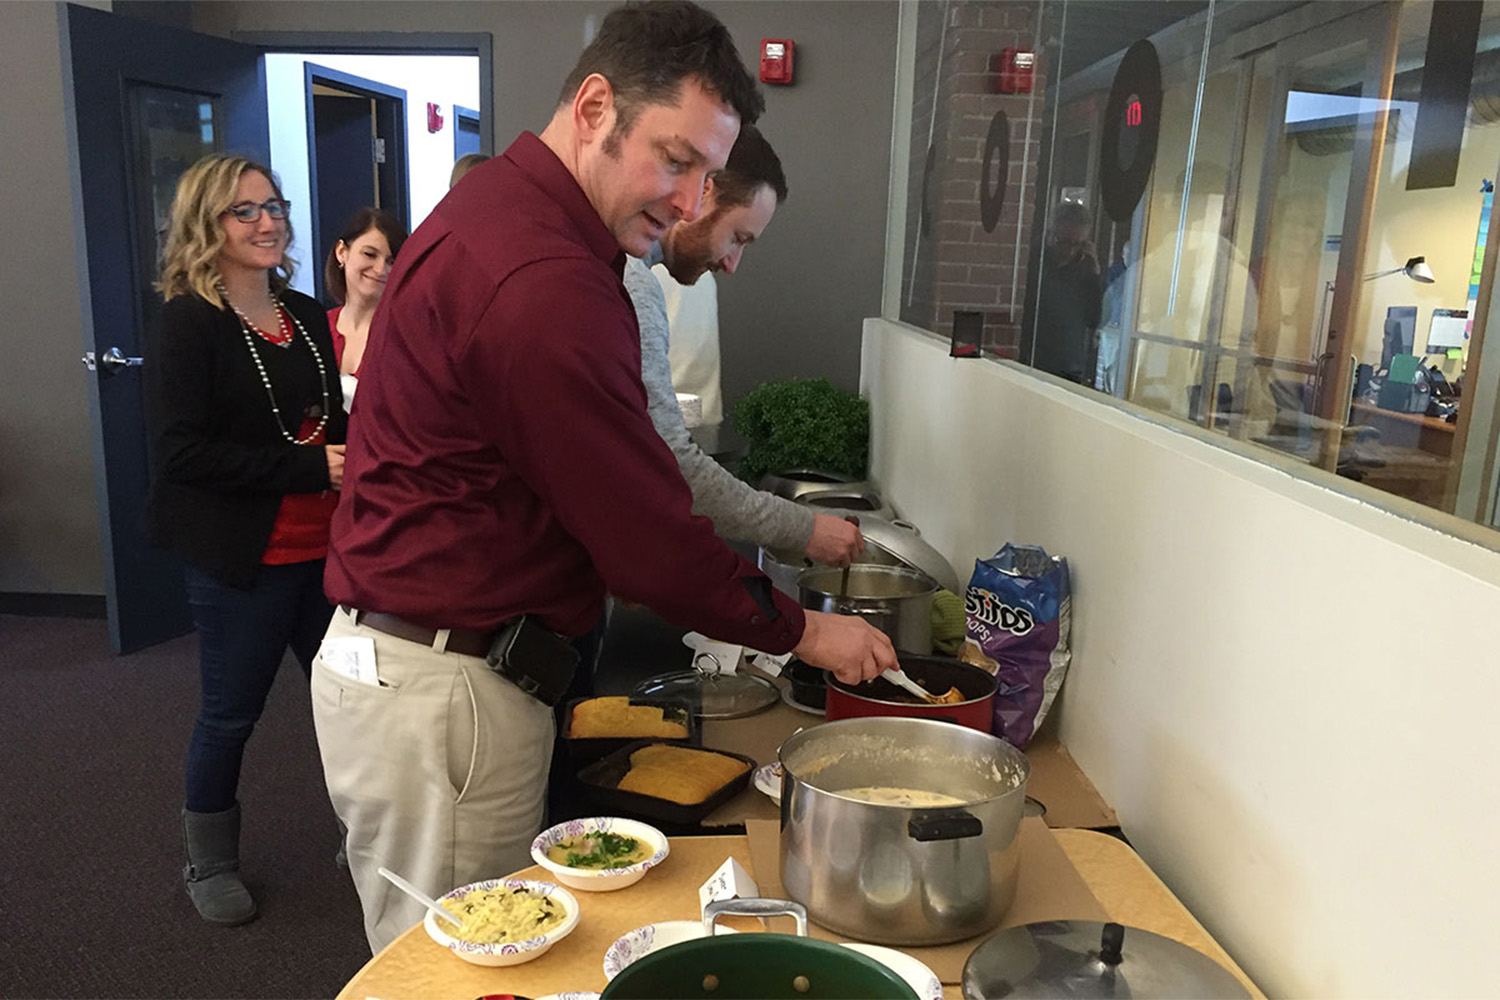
(420, 896)
(898, 677)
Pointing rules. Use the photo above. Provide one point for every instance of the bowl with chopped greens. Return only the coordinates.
(600, 853)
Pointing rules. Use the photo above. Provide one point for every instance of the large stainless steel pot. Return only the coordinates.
(895, 599)
(785, 566)
(887, 543)
(893, 874)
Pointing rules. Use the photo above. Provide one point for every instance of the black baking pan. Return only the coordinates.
(809, 683)
(601, 778)
(586, 751)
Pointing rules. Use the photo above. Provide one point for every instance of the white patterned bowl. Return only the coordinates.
(642, 941)
(917, 974)
(599, 879)
(508, 953)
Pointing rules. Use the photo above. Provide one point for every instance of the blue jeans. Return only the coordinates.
(242, 636)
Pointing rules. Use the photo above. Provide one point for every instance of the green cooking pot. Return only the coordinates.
(755, 966)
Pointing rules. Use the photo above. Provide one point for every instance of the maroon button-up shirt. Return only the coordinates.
(500, 459)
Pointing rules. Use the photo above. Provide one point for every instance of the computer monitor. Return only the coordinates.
(1400, 333)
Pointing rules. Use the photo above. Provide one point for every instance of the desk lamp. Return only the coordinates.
(1415, 268)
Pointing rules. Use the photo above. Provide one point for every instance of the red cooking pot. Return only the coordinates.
(935, 673)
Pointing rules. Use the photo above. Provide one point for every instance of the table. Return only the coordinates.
(413, 967)
(1433, 435)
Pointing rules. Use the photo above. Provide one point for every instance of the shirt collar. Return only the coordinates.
(538, 162)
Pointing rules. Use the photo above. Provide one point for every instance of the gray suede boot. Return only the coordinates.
(213, 869)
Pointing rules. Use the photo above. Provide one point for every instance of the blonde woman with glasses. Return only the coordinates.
(245, 427)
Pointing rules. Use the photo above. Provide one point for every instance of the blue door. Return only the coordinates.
(148, 101)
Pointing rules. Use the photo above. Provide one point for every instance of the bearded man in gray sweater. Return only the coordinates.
(737, 204)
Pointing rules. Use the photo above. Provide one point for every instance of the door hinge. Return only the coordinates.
(379, 150)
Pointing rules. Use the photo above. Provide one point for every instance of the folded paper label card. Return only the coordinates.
(731, 881)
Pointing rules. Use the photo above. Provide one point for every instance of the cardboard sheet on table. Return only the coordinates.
(1048, 888)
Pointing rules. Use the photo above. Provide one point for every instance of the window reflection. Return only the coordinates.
(1303, 266)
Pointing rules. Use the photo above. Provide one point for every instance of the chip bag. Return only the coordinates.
(1016, 614)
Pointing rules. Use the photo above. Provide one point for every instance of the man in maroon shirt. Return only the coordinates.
(502, 464)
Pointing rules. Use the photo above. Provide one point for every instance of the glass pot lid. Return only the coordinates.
(1084, 958)
(710, 691)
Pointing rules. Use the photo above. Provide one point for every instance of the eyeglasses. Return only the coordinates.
(249, 211)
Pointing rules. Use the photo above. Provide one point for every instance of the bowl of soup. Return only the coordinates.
(600, 853)
(504, 921)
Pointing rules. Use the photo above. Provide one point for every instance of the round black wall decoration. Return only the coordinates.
(1132, 124)
(996, 160)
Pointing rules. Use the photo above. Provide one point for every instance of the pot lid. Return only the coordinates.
(860, 500)
(1084, 958)
(788, 483)
(903, 541)
(712, 693)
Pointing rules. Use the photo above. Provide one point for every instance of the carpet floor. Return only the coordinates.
(91, 897)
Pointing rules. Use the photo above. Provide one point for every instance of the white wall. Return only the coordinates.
(1255, 687)
(443, 80)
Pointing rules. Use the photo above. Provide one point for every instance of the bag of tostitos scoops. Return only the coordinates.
(1016, 626)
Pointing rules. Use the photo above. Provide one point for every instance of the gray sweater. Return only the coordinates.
(739, 511)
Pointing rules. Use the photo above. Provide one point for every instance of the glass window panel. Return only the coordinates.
(1180, 247)
(1260, 287)
(1162, 374)
(170, 131)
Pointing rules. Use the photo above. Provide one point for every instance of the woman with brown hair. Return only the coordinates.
(354, 276)
(245, 429)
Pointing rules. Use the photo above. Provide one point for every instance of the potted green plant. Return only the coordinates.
(802, 423)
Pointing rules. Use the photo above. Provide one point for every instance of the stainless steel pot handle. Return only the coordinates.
(754, 908)
(858, 612)
(947, 825)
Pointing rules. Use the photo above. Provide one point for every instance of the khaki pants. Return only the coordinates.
(439, 773)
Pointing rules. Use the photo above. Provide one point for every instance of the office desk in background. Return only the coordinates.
(1411, 458)
(1433, 435)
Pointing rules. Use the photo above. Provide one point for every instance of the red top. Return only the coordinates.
(504, 462)
(300, 532)
(338, 338)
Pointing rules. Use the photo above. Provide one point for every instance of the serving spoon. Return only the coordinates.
(844, 577)
(437, 908)
(899, 678)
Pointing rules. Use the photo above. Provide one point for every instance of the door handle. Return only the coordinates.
(110, 361)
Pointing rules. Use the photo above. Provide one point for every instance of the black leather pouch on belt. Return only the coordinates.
(534, 659)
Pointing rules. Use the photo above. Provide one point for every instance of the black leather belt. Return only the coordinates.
(468, 641)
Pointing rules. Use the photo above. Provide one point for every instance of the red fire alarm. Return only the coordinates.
(1010, 71)
(434, 118)
(775, 60)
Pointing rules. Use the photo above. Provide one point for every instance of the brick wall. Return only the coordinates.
(951, 261)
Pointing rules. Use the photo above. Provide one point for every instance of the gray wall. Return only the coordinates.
(794, 309)
(49, 518)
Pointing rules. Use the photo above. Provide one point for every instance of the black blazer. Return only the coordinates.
(219, 463)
